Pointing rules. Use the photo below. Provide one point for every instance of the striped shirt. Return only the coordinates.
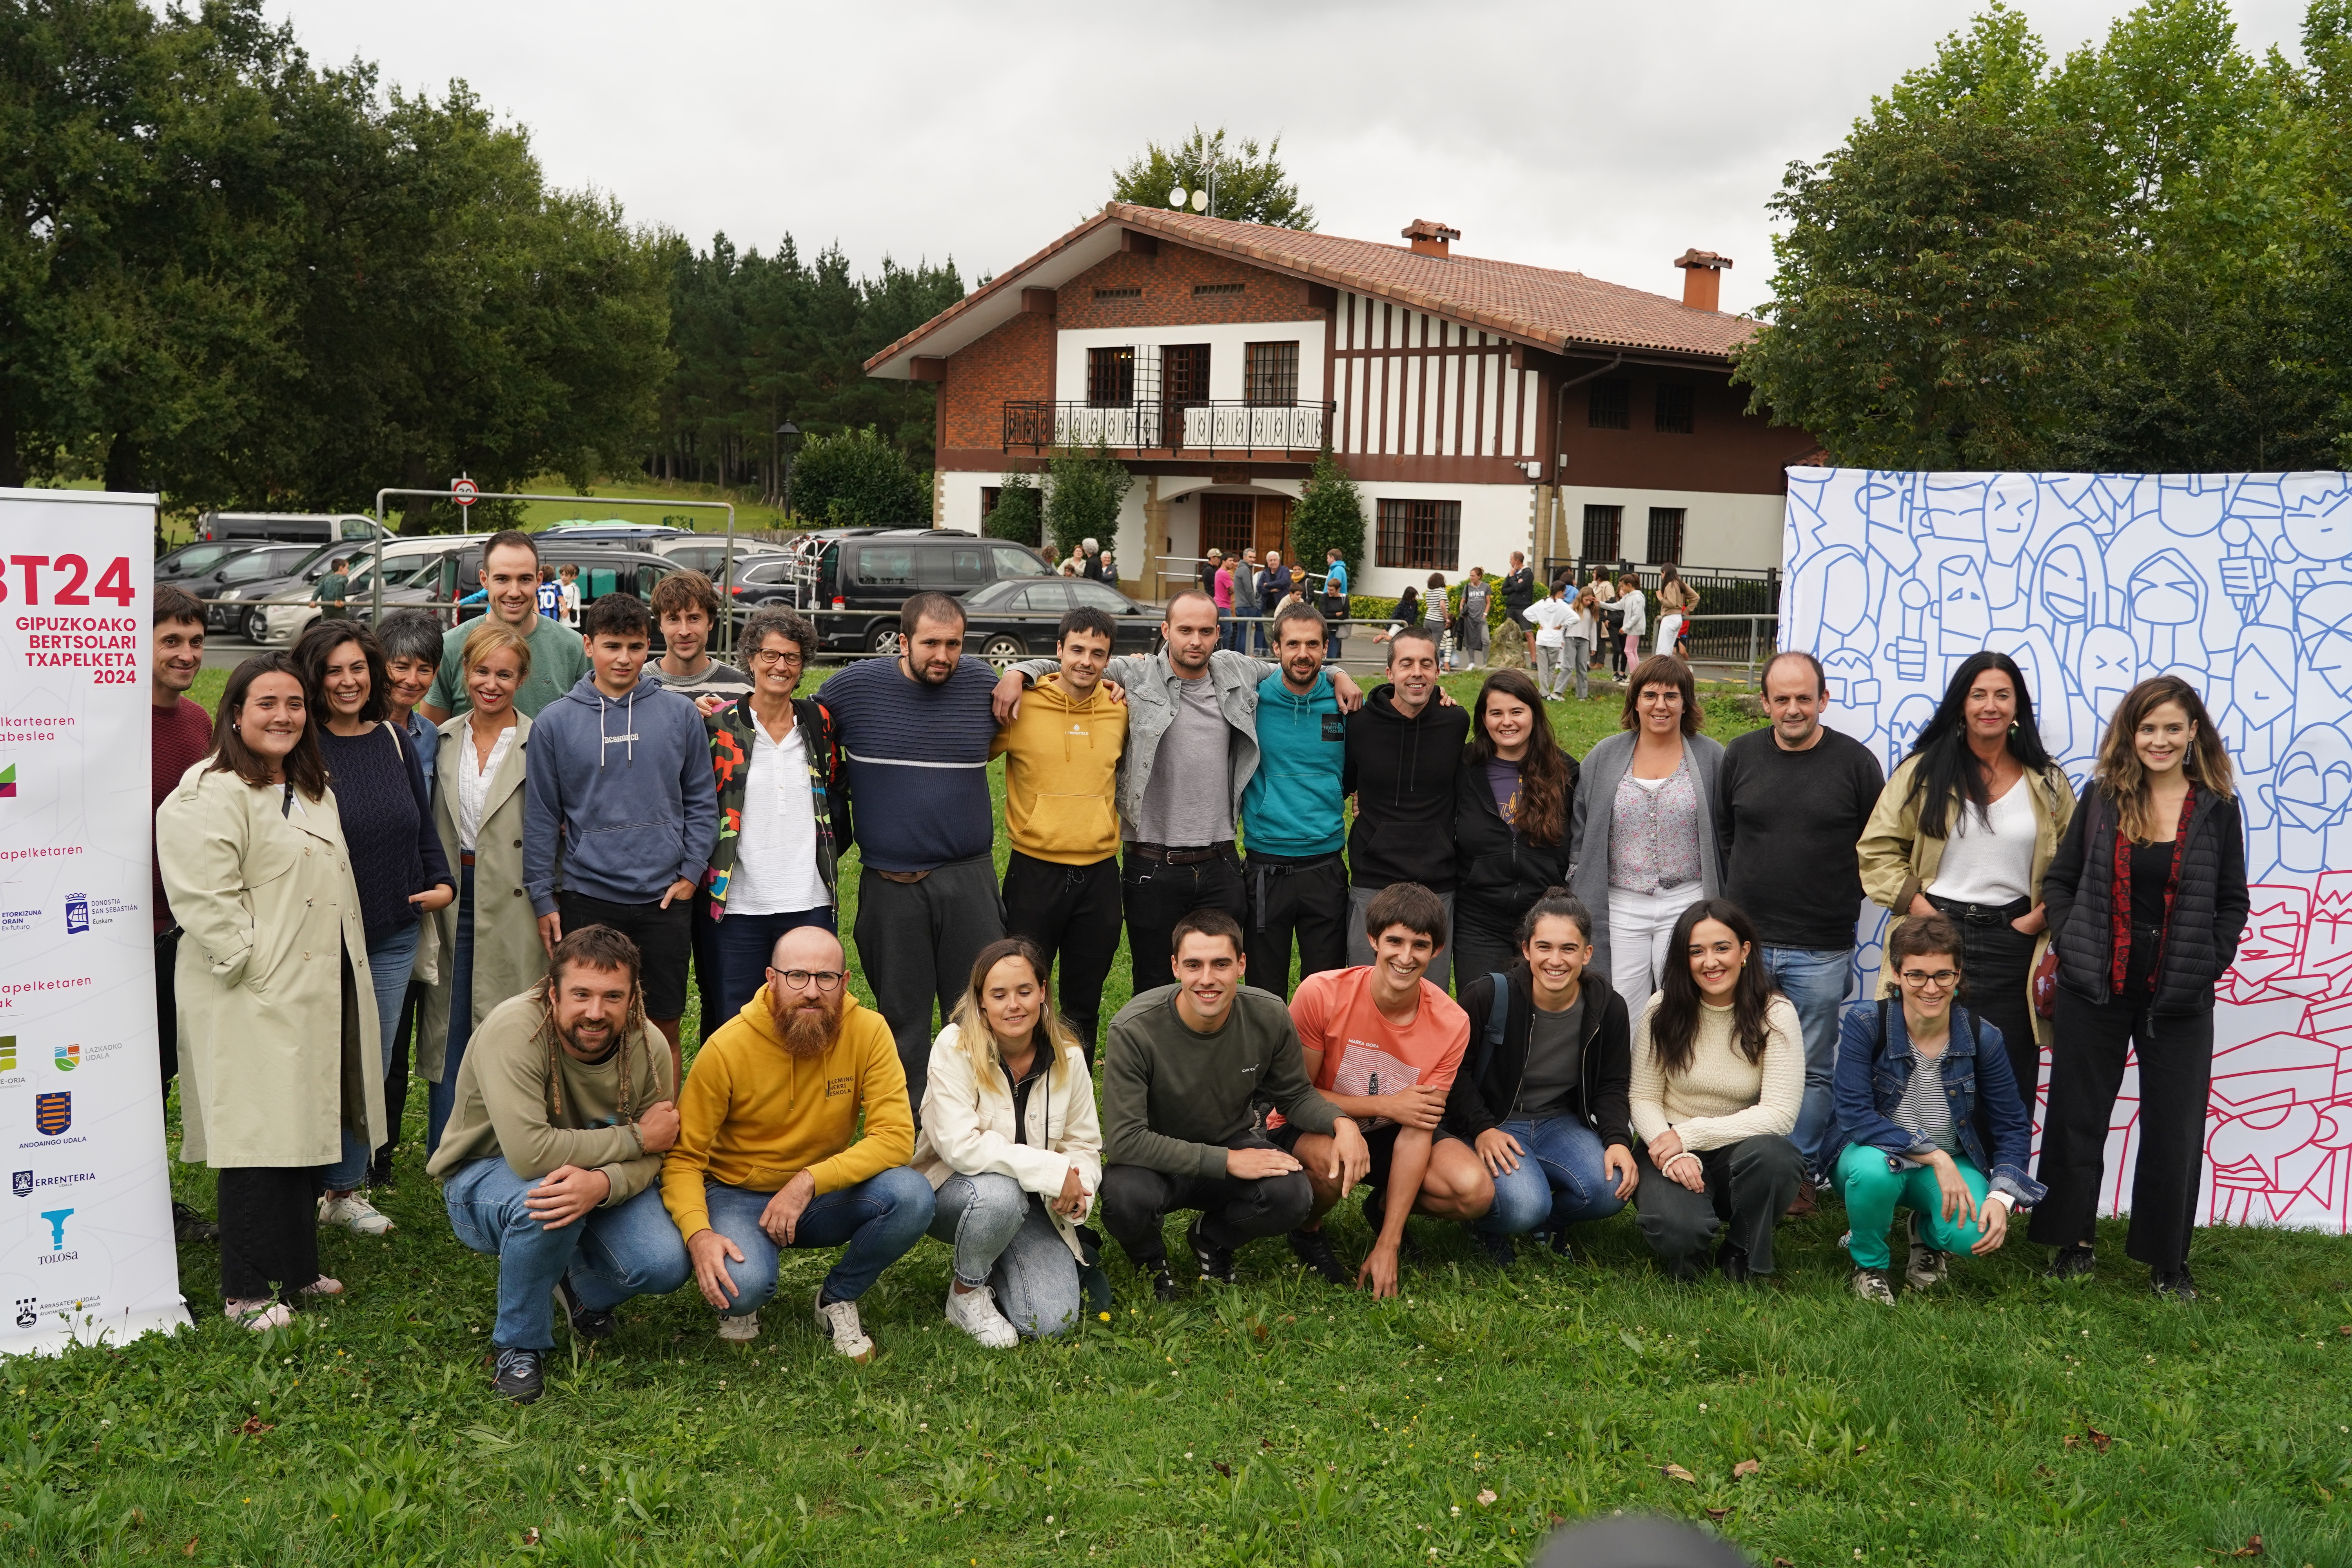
(916, 758)
(1925, 1112)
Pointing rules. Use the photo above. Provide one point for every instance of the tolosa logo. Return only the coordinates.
(53, 1113)
(57, 1218)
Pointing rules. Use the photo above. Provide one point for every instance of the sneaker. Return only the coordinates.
(1163, 1283)
(2068, 1263)
(519, 1375)
(839, 1318)
(738, 1328)
(1557, 1242)
(974, 1311)
(1733, 1261)
(2176, 1286)
(324, 1285)
(1871, 1285)
(260, 1315)
(1498, 1248)
(588, 1322)
(1216, 1262)
(1313, 1248)
(187, 1224)
(354, 1214)
(1925, 1267)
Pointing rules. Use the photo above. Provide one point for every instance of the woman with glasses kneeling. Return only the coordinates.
(1010, 1143)
(1719, 1074)
(1911, 1083)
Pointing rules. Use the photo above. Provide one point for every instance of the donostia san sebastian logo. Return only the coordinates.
(53, 1113)
(77, 914)
(69, 1058)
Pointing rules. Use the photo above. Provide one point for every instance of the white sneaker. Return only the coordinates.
(258, 1316)
(839, 1318)
(974, 1311)
(738, 1328)
(1926, 1268)
(353, 1213)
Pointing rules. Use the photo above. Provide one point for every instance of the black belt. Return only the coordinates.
(1221, 851)
(1983, 915)
(1260, 866)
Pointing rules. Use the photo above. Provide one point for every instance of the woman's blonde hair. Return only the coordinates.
(491, 637)
(1053, 1036)
(2123, 782)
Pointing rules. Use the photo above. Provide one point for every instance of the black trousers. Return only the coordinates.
(707, 989)
(1996, 961)
(917, 942)
(665, 939)
(1300, 901)
(2086, 1069)
(396, 1082)
(1137, 1201)
(1072, 913)
(269, 1231)
(167, 1007)
(1482, 944)
(1748, 1185)
(1158, 895)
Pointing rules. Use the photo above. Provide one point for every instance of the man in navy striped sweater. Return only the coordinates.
(915, 735)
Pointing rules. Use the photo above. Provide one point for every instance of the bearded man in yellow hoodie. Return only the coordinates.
(764, 1158)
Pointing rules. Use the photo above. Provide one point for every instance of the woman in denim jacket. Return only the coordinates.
(1909, 1141)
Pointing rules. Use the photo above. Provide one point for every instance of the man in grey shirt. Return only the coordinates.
(1477, 593)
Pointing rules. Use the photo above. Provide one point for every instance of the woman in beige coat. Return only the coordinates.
(277, 1056)
(1010, 1144)
(485, 946)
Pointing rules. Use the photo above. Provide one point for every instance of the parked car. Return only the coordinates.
(864, 578)
(612, 530)
(708, 555)
(291, 527)
(768, 580)
(196, 560)
(245, 574)
(412, 580)
(1018, 618)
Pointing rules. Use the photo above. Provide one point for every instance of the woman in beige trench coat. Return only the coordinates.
(277, 1056)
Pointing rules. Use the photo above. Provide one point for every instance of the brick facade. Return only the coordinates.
(1012, 362)
(1168, 281)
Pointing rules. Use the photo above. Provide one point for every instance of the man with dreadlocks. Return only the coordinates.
(552, 1155)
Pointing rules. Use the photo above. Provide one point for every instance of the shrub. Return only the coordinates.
(856, 478)
(1084, 492)
(1018, 516)
(1329, 516)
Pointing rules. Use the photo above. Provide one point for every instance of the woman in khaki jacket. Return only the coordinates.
(1967, 826)
(485, 945)
(277, 1056)
(1010, 1144)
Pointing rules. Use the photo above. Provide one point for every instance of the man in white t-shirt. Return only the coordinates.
(1551, 618)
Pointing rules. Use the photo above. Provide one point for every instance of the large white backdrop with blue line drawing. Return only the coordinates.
(2240, 583)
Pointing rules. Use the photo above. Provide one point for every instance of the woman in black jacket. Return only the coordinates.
(2146, 900)
(1510, 821)
(1541, 1093)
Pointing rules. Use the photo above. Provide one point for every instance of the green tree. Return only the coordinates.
(1084, 492)
(1244, 183)
(1016, 516)
(857, 478)
(1329, 516)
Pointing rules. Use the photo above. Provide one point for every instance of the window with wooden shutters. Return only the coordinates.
(1111, 377)
(1675, 419)
(1419, 535)
(1185, 373)
(1270, 374)
(1228, 523)
(1666, 535)
(1610, 404)
(1605, 533)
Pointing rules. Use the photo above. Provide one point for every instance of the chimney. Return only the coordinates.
(1430, 239)
(1701, 285)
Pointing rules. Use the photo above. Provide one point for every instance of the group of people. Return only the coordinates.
(1515, 993)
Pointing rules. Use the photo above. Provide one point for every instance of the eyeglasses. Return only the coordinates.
(1926, 980)
(767, 659)
(798, 979)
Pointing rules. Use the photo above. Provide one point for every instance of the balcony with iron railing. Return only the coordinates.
(1210, 429)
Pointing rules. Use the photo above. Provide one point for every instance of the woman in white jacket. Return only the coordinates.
(1010, 1144)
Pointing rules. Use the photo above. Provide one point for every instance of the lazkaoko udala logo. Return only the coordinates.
(67, 1057)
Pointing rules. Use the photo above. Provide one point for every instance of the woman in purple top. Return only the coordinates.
(378, 778)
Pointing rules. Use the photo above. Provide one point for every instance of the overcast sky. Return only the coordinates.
(1601, 138)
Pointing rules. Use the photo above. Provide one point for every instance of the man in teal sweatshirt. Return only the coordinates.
(1293, 820)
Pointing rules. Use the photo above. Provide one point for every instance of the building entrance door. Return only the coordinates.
(1273, 530)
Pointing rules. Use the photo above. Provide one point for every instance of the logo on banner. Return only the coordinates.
(77, 914)
(9, 782)
(57, 1253)
(25, 1316)
(53, 1113)
(69, 1058)
(21, 1184)
(8, 1053)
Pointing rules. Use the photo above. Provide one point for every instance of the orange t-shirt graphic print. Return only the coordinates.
(1363, 1053)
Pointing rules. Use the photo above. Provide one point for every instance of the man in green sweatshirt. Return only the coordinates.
(1183, 1064)
(551, 1157)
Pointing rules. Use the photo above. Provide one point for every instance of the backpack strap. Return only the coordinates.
(1499, 1018)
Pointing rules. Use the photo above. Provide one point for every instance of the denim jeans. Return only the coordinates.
(1560, 1179)
(390, 962)
(1003, 1237)
(742, 944)
(441, 1101)
(1815, 981)
(881, 1218)
(611, 1254)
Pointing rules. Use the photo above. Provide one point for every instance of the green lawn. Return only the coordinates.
(2002, 1421)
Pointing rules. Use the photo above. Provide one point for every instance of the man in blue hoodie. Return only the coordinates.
(1293, 813)
(619, 788)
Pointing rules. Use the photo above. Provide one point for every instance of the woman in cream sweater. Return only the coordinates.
(1719, 1074)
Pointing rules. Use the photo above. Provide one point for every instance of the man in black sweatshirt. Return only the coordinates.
(1405, 746)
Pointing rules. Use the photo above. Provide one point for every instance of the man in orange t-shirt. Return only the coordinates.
(1383, 1044)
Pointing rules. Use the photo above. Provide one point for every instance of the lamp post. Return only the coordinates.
(788, 438)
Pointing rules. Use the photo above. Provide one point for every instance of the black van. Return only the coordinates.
(870, 575)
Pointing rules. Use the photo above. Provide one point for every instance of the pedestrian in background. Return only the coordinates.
(1477, 593)
(332, 595)
(1519, 597)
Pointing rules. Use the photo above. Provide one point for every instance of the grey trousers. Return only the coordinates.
(1359, 946)
(917, 941)
(1748, 1185)
(1003, 1239)
(1551, 671)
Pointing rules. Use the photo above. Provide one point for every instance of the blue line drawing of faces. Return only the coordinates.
(1963, 619)
(1953, 507)
(2312, 793)
(2318, 521)
(2056, 713)
(2192, 505)
(2322, 623)
(2070, 587)
(2254, 722)
(1910, 717)
(2166, 594)
(2109, 667)
(2012, 504)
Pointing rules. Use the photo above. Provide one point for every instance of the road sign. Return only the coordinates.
(464, 490)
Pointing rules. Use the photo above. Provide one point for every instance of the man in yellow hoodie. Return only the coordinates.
(764, 1158)
(1061, 809)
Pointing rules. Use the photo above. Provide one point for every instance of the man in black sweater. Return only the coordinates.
(1518, 594)
(1404, 747)
(1791, 801)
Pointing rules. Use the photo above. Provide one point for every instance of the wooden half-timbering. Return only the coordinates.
(1410, 383)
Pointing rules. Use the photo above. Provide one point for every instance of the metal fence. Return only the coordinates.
(1240, 429)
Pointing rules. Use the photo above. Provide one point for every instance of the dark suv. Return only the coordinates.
(863, 579)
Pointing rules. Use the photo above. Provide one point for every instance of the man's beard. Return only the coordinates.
(808, 1031)
(581, 1048)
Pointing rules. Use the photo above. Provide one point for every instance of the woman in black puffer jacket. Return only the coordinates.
(1510, 822)
(2146, 900)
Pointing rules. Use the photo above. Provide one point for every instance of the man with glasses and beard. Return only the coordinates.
(765, 1158)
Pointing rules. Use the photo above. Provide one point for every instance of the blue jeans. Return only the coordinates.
(390, 962)
(1003, 1237)
(441, 1100)
(1815, 981)
(881, 1218)
(612, 1254)
(741, 944)
(1560, 1179)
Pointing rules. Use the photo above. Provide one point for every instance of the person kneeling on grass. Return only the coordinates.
(1011, 1145)
(549, 1161)
(764, 1158)
(1910, 1080)
(1383, 1045)
(1184, 1067)
(1545, 1099)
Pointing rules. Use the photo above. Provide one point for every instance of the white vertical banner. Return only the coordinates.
(86, 1247)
